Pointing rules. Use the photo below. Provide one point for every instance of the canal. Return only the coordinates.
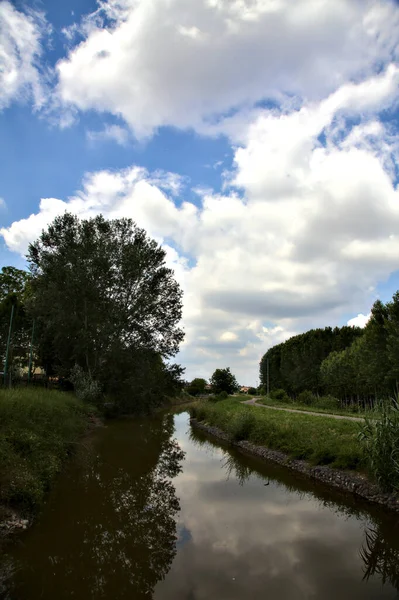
(152, 509)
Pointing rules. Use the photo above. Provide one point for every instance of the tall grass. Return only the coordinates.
(380, 438)
(316, 439)
(37, 430)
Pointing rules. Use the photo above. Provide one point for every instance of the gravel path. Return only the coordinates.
(253, 402)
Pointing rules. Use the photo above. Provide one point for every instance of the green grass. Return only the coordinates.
(38, 428)
(317, 440)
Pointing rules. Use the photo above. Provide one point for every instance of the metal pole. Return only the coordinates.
(8, 345)
(31, 352)
(267, 364)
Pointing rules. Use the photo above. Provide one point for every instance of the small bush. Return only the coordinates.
(242, 425)
(307, 398)
(380, 439)
(218, 397)
(327, 402)
(86, 388)
(252, 391)
(280, 395)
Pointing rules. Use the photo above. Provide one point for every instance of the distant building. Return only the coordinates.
(244, 389)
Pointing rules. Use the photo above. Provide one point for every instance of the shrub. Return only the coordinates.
(307, 397)
(252, 391)
(327, 402)
(241, 426)
(280, 395)
(380, 438)
(86, 388)
(218, 397)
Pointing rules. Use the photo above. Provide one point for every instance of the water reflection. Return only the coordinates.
(380, 556)
(121, 535)
(260, 530)
(115, 527)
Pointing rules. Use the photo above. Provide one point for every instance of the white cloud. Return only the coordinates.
(307, 221)
(2, 202)
(312, 233)
(359, 321)
(21, 36)
(114, 133)
(182, 62)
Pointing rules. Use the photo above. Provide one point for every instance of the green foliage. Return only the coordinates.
(316, 439)
(86, 389)
(294, 365)
(14, 291)
(306, 397)
(197, 386)
(105, 301)
(242, 425)
(223, 380)
(252, 391)
(218, 397)
(280, 395)
(380, 437)
(37, 430)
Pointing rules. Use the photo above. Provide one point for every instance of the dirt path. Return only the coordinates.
(252, 402)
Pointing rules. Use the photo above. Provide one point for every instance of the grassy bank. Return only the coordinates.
(317, 440)
(38, 428)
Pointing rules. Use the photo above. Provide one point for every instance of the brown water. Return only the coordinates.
(132, 518)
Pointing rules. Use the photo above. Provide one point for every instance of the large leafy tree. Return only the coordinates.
(104, 297)
(223, 380)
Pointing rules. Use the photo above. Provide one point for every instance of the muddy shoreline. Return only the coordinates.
(346, 481)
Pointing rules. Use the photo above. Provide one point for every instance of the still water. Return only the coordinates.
(151, 509)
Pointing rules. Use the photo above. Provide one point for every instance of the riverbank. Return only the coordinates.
(39, 428)
(320, 447)
(346, 481)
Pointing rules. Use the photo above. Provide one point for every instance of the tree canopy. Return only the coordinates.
(197, 386)
(223, 380)
(105, 301)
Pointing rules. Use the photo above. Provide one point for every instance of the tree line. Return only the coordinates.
(105, 310)
(355, 365)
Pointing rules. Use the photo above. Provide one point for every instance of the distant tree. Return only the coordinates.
(197, 386)
(105, 301)
(223, 380)
(252, 391)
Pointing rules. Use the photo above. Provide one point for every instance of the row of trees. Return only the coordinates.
(353, 364)
(294, 365)
(105, 306)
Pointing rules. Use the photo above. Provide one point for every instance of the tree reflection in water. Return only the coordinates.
(114, 534)
(380, 554)
(137, 548)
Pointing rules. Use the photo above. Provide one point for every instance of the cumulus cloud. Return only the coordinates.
(21, 35)
(359, 321)
(306, 223)
(311, 232)
(184, 62)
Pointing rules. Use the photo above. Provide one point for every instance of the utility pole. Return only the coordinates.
(267, 372)
(31, 352)
(8, 346)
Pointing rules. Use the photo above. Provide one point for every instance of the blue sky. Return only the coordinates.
(255, 140)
